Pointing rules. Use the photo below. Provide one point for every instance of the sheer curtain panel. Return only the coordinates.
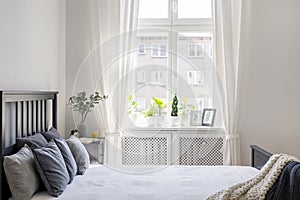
(227, 25)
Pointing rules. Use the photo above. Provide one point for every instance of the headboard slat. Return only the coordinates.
(45, 115)
(22, 118)
(37, 116)
(27, 117)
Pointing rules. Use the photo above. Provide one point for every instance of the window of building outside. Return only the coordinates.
(174, 56)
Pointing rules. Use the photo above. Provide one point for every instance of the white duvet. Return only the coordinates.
(160, 183)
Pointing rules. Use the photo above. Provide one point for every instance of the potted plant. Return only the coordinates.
(159, 106)
(132, 107)
(83, 105)
(149, 116)
(184, 110)
(174, 112)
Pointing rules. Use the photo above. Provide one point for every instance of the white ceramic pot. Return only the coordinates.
(175, 121)
(150, 121)
(160, 120)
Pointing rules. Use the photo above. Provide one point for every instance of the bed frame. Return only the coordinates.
(25, 113)
(22, 114)
(259, 156)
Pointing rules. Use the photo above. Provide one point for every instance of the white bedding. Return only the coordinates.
(163, 183)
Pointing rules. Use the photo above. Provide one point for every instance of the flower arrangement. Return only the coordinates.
(150, 111)
(83, 105)
(159, 104)
(185, 107)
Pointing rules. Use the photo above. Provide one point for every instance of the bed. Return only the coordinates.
(26, 113)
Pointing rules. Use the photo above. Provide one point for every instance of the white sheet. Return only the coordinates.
(160, 183)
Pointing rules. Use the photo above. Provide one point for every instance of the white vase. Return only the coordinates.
(81, 127)
(175, 121)
(150, 120)
(160, 120)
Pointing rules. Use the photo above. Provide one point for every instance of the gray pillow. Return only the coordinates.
(34, 141)
(68, 158)
(52, 169)
(51, 134)
(22, 177)
(80, 154)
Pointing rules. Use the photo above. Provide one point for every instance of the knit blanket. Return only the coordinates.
(257, 187)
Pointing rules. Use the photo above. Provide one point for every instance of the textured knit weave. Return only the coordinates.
(257, 187)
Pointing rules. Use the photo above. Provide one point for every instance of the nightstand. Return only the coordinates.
(95, 148)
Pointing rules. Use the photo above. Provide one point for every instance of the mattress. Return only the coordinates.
(152, 183)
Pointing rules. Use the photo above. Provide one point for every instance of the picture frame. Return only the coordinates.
(196, 118)
(208, 116)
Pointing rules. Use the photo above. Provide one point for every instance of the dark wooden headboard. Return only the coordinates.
(259, 156)
(23, 113)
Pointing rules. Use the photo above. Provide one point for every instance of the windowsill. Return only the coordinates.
(173, 128)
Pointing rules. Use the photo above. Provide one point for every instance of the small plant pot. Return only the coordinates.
(150, 121)
(160, 120)
(175, 121)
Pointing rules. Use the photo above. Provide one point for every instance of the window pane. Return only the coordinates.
(195, 68)
(153, 9)
(194, 9)
(151, 75)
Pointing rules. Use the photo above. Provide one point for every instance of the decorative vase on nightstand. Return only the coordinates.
(81, 127)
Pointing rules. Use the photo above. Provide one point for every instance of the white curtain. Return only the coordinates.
(112, 26)
(227, 26)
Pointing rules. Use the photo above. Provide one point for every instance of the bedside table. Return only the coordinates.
(95, 148)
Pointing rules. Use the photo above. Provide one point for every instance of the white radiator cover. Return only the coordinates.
(169, 147)
(200, 151)
(145, 151)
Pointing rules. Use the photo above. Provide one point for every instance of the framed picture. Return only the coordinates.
(195, 118)
(208, 116)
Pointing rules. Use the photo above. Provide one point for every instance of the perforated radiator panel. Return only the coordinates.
(145, 151)
(200, 151)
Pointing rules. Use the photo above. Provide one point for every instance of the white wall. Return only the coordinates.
(77, 48)
(270, 107)
(32, 48)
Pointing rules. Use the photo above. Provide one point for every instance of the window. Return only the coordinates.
(176, 40)
(193, 9)
(141, 49)
(147, 11)
(159, 50)
(196, 50)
